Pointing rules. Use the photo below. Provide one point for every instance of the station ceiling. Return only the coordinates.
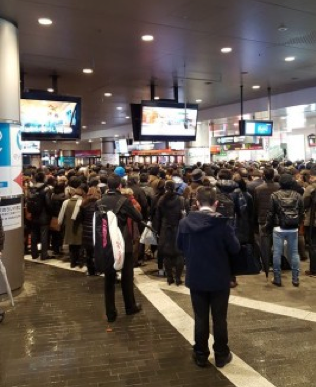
(188, 37)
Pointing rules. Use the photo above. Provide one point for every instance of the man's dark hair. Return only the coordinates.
(206, 196)
(114, 181)
(143, 178)
(75, 182)
(132, 180)
(40, 177)
(268, 174)
(154, 170)
(224, 174)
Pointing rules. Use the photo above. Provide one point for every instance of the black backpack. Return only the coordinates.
(241, 202)
(288, 211)
(103, 250)
(225, 205)
(36, 201)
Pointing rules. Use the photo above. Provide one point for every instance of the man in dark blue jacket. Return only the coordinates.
(208, 242)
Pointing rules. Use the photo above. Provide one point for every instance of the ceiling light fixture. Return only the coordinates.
(198, 100)
(289, 58)
(226, 50)
(108, 94)
(87, 71)
(156, 97)
(119, 108)
(103, 123)
(84, 127)
(127, 117)
(199, 122)
(147, 38)
(50, 90)
(44, 21)
(90, 140)
(256, 87)
(116, 135)
(282, 28)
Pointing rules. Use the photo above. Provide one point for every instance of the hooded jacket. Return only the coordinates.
(208, 243)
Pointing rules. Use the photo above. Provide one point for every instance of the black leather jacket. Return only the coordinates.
(273, 214)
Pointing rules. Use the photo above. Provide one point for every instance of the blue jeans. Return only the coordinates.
(292, 251)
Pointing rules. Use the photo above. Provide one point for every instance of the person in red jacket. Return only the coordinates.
(1, 248)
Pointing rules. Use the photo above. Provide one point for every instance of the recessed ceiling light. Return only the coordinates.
(282, 28)
(90, 140)
(116, 135)
(235, 123)
(103, 123)
(50, 90)
(77, 142)
(87, 71)
(226, 50)
(44, 21)
(119, 108)
(283, 118)
(127, 117)
(256, 87)
(289, 58)
(198, 100)
(199, 122)
(156, 97)
(108, 94)
(147, 38)
(84, 127)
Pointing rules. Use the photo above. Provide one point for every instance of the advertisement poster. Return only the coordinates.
(109, 158)
(193, 155)
(10, 160)
(11, 213)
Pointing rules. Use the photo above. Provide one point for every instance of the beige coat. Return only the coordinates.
(73, 229)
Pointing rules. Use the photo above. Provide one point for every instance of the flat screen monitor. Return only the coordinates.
(31, 147)
(45, 116)
(256, 128)
(121, 146)
(168, 121)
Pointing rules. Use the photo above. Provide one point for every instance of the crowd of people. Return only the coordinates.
(202, 214)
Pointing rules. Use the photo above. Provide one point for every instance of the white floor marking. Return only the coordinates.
(56, 263)
(263, 306)
(238, 372)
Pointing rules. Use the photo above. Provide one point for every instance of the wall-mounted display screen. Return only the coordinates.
(30, 147)
(121, 146)
(164, 121)
(256, 128)
(45, 116)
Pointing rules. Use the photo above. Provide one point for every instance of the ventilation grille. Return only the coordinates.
(308, 39)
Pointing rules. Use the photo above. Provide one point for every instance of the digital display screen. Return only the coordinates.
(121, 146)
(169, 121)
(50, 117)
(256, 128)
(30, 147)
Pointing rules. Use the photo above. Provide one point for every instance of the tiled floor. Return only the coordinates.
(57, 335)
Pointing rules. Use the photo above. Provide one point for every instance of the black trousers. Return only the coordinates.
(39, 234)
(90, 259)
(127, 285)
(217, 303)
(74, 253)
(311, 237)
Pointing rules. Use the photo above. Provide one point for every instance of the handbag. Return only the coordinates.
(246, 262)
(148, 236)
(54, 226)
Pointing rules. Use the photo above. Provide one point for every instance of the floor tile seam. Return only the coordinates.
(238, 372)
(263, 306)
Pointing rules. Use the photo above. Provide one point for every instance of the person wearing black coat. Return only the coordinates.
(86, 217)
(57, 199)
(208, 243)
(169, 213)
(127, 210)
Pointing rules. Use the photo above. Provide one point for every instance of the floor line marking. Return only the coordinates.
(238, 372)
(300, 314)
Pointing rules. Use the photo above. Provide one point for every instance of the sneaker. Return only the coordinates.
(233, 284)
(2, 315)
(200, 360)
(112, 317)
(161, 273)
(170, 281)
(223, 361)
(296, 283)
(179, 282)
(276, 283)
